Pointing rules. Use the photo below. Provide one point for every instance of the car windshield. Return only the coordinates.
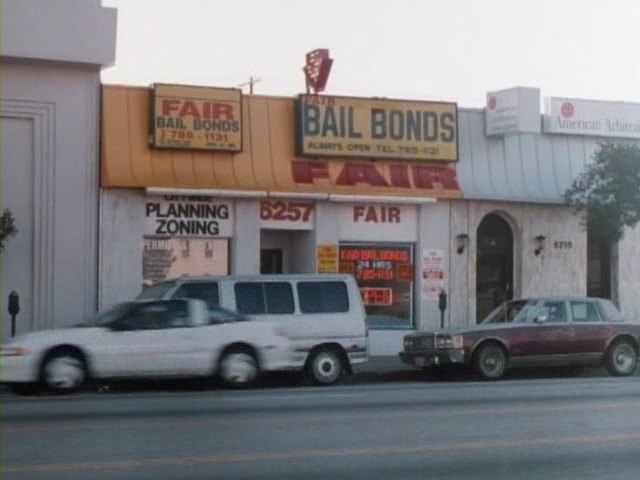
(514, 311)
(156, 291)
(111, 314)
(222, 315)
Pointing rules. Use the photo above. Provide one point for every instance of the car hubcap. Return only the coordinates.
(492, 362)
(624, 358)
(238, 368)
(64, 373)
(326, 367)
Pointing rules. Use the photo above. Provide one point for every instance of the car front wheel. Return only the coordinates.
(325, 366)
(238, 367)
(490, 361)
(622, 358)
(63, 371)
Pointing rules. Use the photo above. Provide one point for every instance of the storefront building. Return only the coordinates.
(52, 53)
(411, 197)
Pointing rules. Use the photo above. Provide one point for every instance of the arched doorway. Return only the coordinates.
(494, 264)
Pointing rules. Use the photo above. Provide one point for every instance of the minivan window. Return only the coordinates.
(259, 298)
(323, 297)
(207, 291)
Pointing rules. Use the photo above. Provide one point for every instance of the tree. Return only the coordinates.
(608, 191)
(7, 228)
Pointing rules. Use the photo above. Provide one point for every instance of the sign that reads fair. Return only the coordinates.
(197, 118)
(374, 262)
(592, 117)
(186, 216)
(372, 128)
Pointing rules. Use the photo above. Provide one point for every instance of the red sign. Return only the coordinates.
(377, 296)
(428, 177)
(567, 110)
(286, 215)
(376, 263)
(316, 70)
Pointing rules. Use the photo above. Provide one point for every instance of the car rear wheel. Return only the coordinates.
(238, 367)
(622, 358)
(325, 366)
(63, 371)
(490, 361)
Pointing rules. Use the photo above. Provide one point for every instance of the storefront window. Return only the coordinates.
(166, 258)
(385, 275)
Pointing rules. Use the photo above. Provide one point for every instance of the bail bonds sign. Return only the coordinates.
(185, 216)
(197, 118)
(372, 128)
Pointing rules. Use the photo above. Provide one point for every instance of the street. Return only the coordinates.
(517, 428)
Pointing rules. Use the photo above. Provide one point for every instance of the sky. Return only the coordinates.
(453, 50)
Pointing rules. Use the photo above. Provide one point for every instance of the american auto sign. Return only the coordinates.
(592, 117)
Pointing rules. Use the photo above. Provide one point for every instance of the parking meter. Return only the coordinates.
(442, 305)
(14, 308)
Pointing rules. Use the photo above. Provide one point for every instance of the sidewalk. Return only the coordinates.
(385, 368)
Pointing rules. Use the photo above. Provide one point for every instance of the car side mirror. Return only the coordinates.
(540, 319)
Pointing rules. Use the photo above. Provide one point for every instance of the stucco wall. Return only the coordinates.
(629, 274)
(50, 182)
(556, 271)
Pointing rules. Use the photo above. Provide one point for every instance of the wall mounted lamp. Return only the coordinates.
(540, 240)
(462, 240)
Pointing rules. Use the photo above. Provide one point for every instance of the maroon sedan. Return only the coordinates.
(537, 332)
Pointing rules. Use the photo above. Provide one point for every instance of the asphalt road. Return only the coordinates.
(560, 428)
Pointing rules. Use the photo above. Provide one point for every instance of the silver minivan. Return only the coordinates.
(322, 314)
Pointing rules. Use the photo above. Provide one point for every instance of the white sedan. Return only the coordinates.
(166, 338)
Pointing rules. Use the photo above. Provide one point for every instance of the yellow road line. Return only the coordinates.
(289, 419)
(315, 454)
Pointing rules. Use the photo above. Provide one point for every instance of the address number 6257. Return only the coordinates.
(287, 211)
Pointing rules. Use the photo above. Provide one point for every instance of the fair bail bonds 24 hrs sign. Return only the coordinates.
(376, 128)
(198, 118)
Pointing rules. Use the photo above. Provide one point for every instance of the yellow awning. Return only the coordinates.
(267, 162)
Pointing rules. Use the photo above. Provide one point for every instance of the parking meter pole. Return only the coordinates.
(14, 308)
(442, 305)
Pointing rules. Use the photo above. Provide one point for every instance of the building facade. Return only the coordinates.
(483, 222)
(115, 187)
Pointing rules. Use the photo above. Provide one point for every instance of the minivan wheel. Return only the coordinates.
(238, 367)
(64, 371)
(325, 366)
(622, 358)
(490, 361)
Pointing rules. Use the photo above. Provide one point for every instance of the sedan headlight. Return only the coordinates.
(446, 341)
(13, 351)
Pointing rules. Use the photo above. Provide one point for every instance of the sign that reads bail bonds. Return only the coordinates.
(376, 128)
(186, 216)
(197, 118)
(377, 262)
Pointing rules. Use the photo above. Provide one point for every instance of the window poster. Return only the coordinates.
(432, 273)
(385, 275)
(164, 258)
